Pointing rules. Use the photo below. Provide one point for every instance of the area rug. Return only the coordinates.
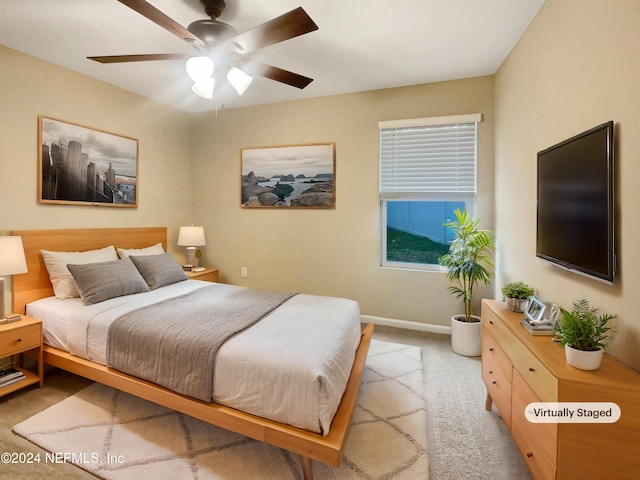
(117, 436)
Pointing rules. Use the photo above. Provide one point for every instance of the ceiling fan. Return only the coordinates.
(220, 44)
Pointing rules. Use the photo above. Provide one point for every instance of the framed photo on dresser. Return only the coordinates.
(535, 310)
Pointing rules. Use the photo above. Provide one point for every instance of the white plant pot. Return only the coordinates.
(466, 337)
(582, 359)
(517, 304)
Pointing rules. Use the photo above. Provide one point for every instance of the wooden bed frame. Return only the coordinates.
(35, 284)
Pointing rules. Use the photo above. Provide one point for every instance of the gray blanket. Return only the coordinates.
(174, 343)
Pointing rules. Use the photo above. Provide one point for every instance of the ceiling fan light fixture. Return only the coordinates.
(219, 40)
(204, 87)
(239, 80)
(199, 68)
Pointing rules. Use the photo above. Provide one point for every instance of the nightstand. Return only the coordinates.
(16, 339)
(206, 275)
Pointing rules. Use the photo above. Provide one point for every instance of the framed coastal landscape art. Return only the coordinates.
(79, 165)
(289, 176)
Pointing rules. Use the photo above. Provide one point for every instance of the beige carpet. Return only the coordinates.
(117, 436)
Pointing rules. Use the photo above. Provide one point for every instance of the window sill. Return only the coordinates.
(414, 268)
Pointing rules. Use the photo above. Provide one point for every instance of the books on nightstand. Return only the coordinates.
(537, 328)
(9, 376)
(11, 317)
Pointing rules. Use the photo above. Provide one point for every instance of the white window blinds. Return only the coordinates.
(429, 158)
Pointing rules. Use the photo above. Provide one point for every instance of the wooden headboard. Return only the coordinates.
(35, 283)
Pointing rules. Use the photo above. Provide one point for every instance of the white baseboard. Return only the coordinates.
(392, 322)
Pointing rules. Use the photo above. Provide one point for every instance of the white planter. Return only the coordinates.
(517, 304)
(582, 359)
(466, 337)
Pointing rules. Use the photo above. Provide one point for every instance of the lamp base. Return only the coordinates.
(2, 310)
(191, 255)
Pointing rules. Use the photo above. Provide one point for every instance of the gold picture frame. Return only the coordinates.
(289, 176)
(78, 165)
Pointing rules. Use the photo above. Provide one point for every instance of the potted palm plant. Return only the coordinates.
(584, 333)
(468, 263)
(517, 295)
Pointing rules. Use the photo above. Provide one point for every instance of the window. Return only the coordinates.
(427, 170)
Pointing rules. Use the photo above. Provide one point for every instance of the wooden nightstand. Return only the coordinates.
(17, 338)
(206, 275)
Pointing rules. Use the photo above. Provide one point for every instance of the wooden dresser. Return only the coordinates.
(519, 368)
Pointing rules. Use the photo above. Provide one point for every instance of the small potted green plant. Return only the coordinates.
(468, 263)
(517, 295)
(584, 332)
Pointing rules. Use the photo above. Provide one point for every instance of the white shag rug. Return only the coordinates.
(117, 436)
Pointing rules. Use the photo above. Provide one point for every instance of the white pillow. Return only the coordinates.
(152, 250)
(59, 274)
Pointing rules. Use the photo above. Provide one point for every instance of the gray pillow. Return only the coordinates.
(101, 281)
(159, 270)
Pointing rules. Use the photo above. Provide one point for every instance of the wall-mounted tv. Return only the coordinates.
(575, 214)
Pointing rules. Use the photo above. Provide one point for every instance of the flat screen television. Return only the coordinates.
(575, 212)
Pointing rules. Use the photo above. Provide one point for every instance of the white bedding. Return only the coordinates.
(292, 366)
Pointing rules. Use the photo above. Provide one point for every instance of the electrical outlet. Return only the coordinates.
(243, 271)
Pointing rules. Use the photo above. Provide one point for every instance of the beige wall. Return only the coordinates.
(30, 87)
(577, 66)
(331, 252)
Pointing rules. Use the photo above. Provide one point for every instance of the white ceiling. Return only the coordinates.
(360, 45)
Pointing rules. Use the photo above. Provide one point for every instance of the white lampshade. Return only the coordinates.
(191, 236)
(199, 68)
(12, 260)
(204, 88)
(239, 80)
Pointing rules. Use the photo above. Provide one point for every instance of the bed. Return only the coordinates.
(323, 446)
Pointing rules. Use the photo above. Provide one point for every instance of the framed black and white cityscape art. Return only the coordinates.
(290, 176)
(84, 166)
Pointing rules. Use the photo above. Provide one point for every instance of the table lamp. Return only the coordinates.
(12, 262)
(191, 237)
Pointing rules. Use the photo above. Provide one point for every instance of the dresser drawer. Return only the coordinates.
(209, 277)
(206, 275)
(498, 387)
(545, 434)
(535, 374)
(535, 444)
(19, 339)
(493, 325)
(539, 465)
(492, 351)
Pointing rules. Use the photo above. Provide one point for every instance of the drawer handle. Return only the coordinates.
(491, 372)
(491, 322)
(529, 454)
(494, 382)
(531, 369)
(19, 340)
(491, 349)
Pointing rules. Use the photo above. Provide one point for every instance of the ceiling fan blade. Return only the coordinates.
(156, 16)
(274, 73)
(140, 58)
(290, 25)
